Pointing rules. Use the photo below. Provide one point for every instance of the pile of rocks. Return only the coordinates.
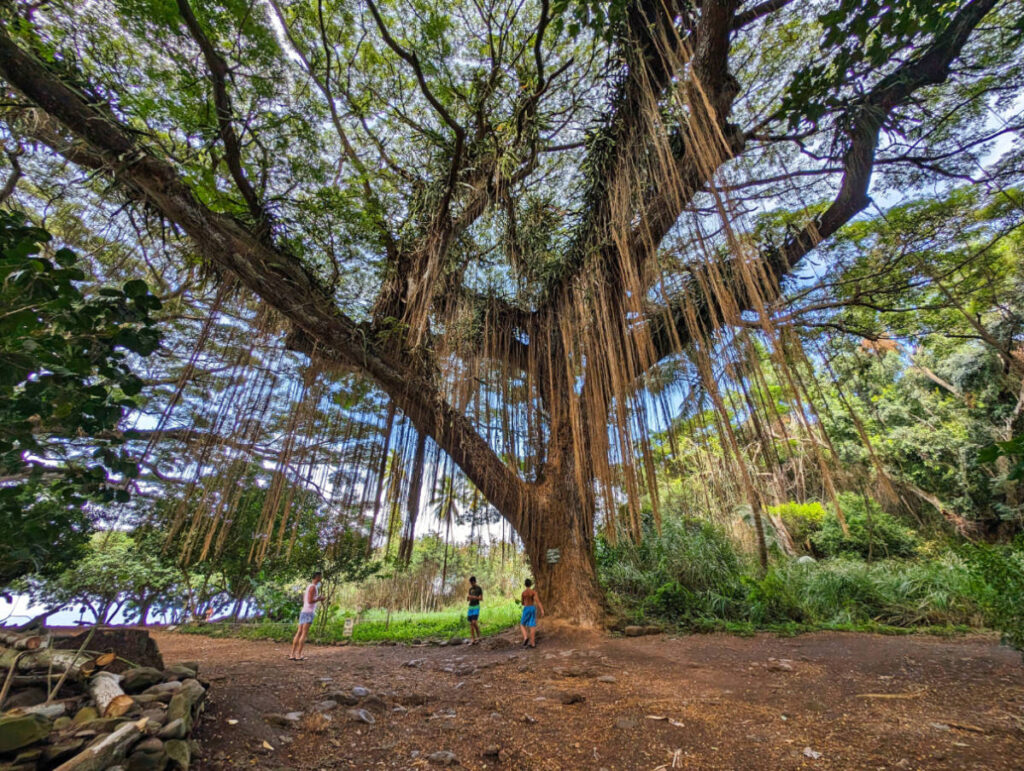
(76, 710)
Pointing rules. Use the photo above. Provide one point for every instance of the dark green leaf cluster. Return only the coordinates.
(66, 381)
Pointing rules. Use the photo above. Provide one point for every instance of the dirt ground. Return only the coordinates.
(824, 700)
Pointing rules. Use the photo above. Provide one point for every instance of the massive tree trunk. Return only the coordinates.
(559, 541)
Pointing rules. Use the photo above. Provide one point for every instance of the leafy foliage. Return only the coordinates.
(65, 376)
(873, 533)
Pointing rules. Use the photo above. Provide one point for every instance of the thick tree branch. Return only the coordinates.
(275, 276)
(225, 114)
(864, 120)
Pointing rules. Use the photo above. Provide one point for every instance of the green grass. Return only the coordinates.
(373, 625)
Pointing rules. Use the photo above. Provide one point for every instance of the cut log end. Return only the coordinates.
(119, 706)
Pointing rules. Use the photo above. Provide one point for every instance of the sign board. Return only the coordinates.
(553, 556)
(349, 623)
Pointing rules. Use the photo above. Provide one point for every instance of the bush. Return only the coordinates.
(873, 534)
(1001, 568)
(801, 519)
(688, 571)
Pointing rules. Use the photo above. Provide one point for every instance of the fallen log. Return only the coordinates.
(46, 659)
(105, 752)
(49, 711)
(108, 696)
(20, 641)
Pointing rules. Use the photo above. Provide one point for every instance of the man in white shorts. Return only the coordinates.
(309, 600)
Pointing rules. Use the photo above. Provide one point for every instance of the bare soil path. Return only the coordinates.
(822, 701)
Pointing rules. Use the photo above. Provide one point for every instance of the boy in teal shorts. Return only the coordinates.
(528, 622)
(473, 616)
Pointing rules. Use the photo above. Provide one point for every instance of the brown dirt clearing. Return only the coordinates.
(823, 700)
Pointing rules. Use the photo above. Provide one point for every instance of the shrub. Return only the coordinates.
(689, 570)
(873, 534)
(800, 519)
(1001, 568)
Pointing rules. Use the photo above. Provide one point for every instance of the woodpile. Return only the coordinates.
(83, 710)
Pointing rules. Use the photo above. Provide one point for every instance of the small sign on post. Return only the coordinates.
(553, 556)
(349, 623)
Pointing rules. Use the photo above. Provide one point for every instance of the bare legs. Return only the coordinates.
(298, 641)
(474, 630)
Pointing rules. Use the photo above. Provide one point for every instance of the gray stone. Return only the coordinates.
(176, 729)
(360, 692)
(157, 716)
(413, 663)
(343, 697)
(443, 758)
(159, 688)
(179, 753)
(178, 672)
(779, 665)
(361, 716)
(606, 679)
(139, 679)
(324, 706)
(806, 560)
(289, 720)
(625, 723)
(457, 640)
(572, 698)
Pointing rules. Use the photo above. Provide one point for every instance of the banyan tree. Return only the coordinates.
(516, 221)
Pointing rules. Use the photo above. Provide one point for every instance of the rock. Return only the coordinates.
(808, 752)
(495, 716)
(806, 560)
(343, 697)
(375, 704)
(633, 631)
(147, 761)
(17, 731)
(361, 716)
(157, 716)
(324, 706)
(193, 665)
(573, 698)
(160, 688)
(493, 751)
(779, 665)
(179, 753)
(456, 640)
(625, 723)
(289, 720)
(103, 725)
(85, 715)
(443, 758)
(28, 697)
(56, 754)
(176, 729)
(139, 679)
(360, 693)
(572, 671)
(652, 629)
(465, 669)
(606, 679)
(413, 663)
(399, 709)
(178, 672)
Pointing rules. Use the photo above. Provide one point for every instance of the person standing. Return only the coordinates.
(310, 598)
(528, 622)
(476, 594)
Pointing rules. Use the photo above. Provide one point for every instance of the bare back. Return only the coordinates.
(529, 597)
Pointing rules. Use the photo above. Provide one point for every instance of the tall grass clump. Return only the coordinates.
(688, 571)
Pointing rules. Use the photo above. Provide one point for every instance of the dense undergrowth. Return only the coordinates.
(690, 576)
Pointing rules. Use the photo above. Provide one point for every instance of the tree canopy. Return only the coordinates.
(509, 238)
